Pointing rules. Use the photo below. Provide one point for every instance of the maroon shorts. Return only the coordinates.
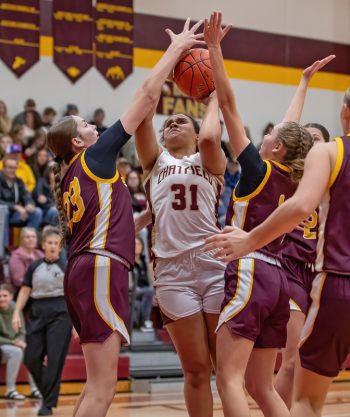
(325, 340)
(96, 291)
(300, 277)
(256, 303)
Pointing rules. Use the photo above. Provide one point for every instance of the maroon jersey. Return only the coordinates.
(301, 244)
(98, 211)
(249, 211)
(333, 248)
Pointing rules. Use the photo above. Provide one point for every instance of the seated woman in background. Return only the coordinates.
(42, 195)
(139, 204)
(5, 142)
(12, 345)
(23, 256)
(144, 289)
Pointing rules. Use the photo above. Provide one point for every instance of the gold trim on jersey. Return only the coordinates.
(94, 177)
(316, 293)
(258, 188)
(102, 297)
(104, 192)
(281, 166)
(338, 161)
(243, 289)
(74, 159)
(293, 305)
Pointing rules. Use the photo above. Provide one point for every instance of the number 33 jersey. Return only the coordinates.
(98, 211)
(184, 199)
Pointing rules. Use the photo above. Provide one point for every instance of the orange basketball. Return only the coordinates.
(193, 74)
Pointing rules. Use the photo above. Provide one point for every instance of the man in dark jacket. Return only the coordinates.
(15, 196)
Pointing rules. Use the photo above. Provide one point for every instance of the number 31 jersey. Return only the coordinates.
(184, 199)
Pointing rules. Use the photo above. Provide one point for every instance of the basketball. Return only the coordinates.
(193, 74)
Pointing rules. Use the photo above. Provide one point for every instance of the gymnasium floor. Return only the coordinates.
(166, 404)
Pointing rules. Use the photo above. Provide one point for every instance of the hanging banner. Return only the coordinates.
(73, 30)
(114, 42)
(19, 34)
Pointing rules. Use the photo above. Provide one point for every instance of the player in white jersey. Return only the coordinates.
(183, 187)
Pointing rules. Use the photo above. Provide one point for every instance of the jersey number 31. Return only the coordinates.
(180, 200)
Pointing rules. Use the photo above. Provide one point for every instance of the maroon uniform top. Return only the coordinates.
(333, 248)
(249, 211)
(301, 244)
(98, 211)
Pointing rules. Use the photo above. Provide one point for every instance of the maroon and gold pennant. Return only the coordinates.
(19, 34)
(73, 30)
(113, 40)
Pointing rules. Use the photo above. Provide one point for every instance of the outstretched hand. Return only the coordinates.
(232, 243)
(309, 72)
(188, 37)
(213, 32)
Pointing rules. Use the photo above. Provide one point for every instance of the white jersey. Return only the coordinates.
(184, 199)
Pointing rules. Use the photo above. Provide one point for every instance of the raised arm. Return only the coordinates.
(147, 146)
(148, 95)
(209, 139)
(297, 104)
(213, 35)
(235, 243)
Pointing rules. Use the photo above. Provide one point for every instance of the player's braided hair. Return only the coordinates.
(59, 140)
(57, 193)
(297, 141)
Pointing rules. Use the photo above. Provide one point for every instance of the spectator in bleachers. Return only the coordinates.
(137, 192)
(48, 117)
(20, 118)
(5, 142)
(48, 320)
(17, 134)
(71, 110)
(139, 204)
(23, 256)
(144, 289)
(232, 175)
(38, 162)
(32, 122)
(23, 171)
(17, 198)
(124, 167)
(12, 345)
(36, 143)
(5, 120)
(42, 195)
(97, 120)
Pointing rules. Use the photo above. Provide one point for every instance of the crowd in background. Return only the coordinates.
(27, 206)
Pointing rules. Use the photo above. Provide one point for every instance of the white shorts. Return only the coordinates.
(189, 283)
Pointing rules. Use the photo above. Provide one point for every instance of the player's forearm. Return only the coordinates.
(22, 298)
(227, 102)
(210, 127)
(222, 84)
(153, 84)
(296, 106)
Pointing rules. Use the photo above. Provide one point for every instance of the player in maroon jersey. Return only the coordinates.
(325, 340)
(299, 250)
(97, 205)
(255, 310)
